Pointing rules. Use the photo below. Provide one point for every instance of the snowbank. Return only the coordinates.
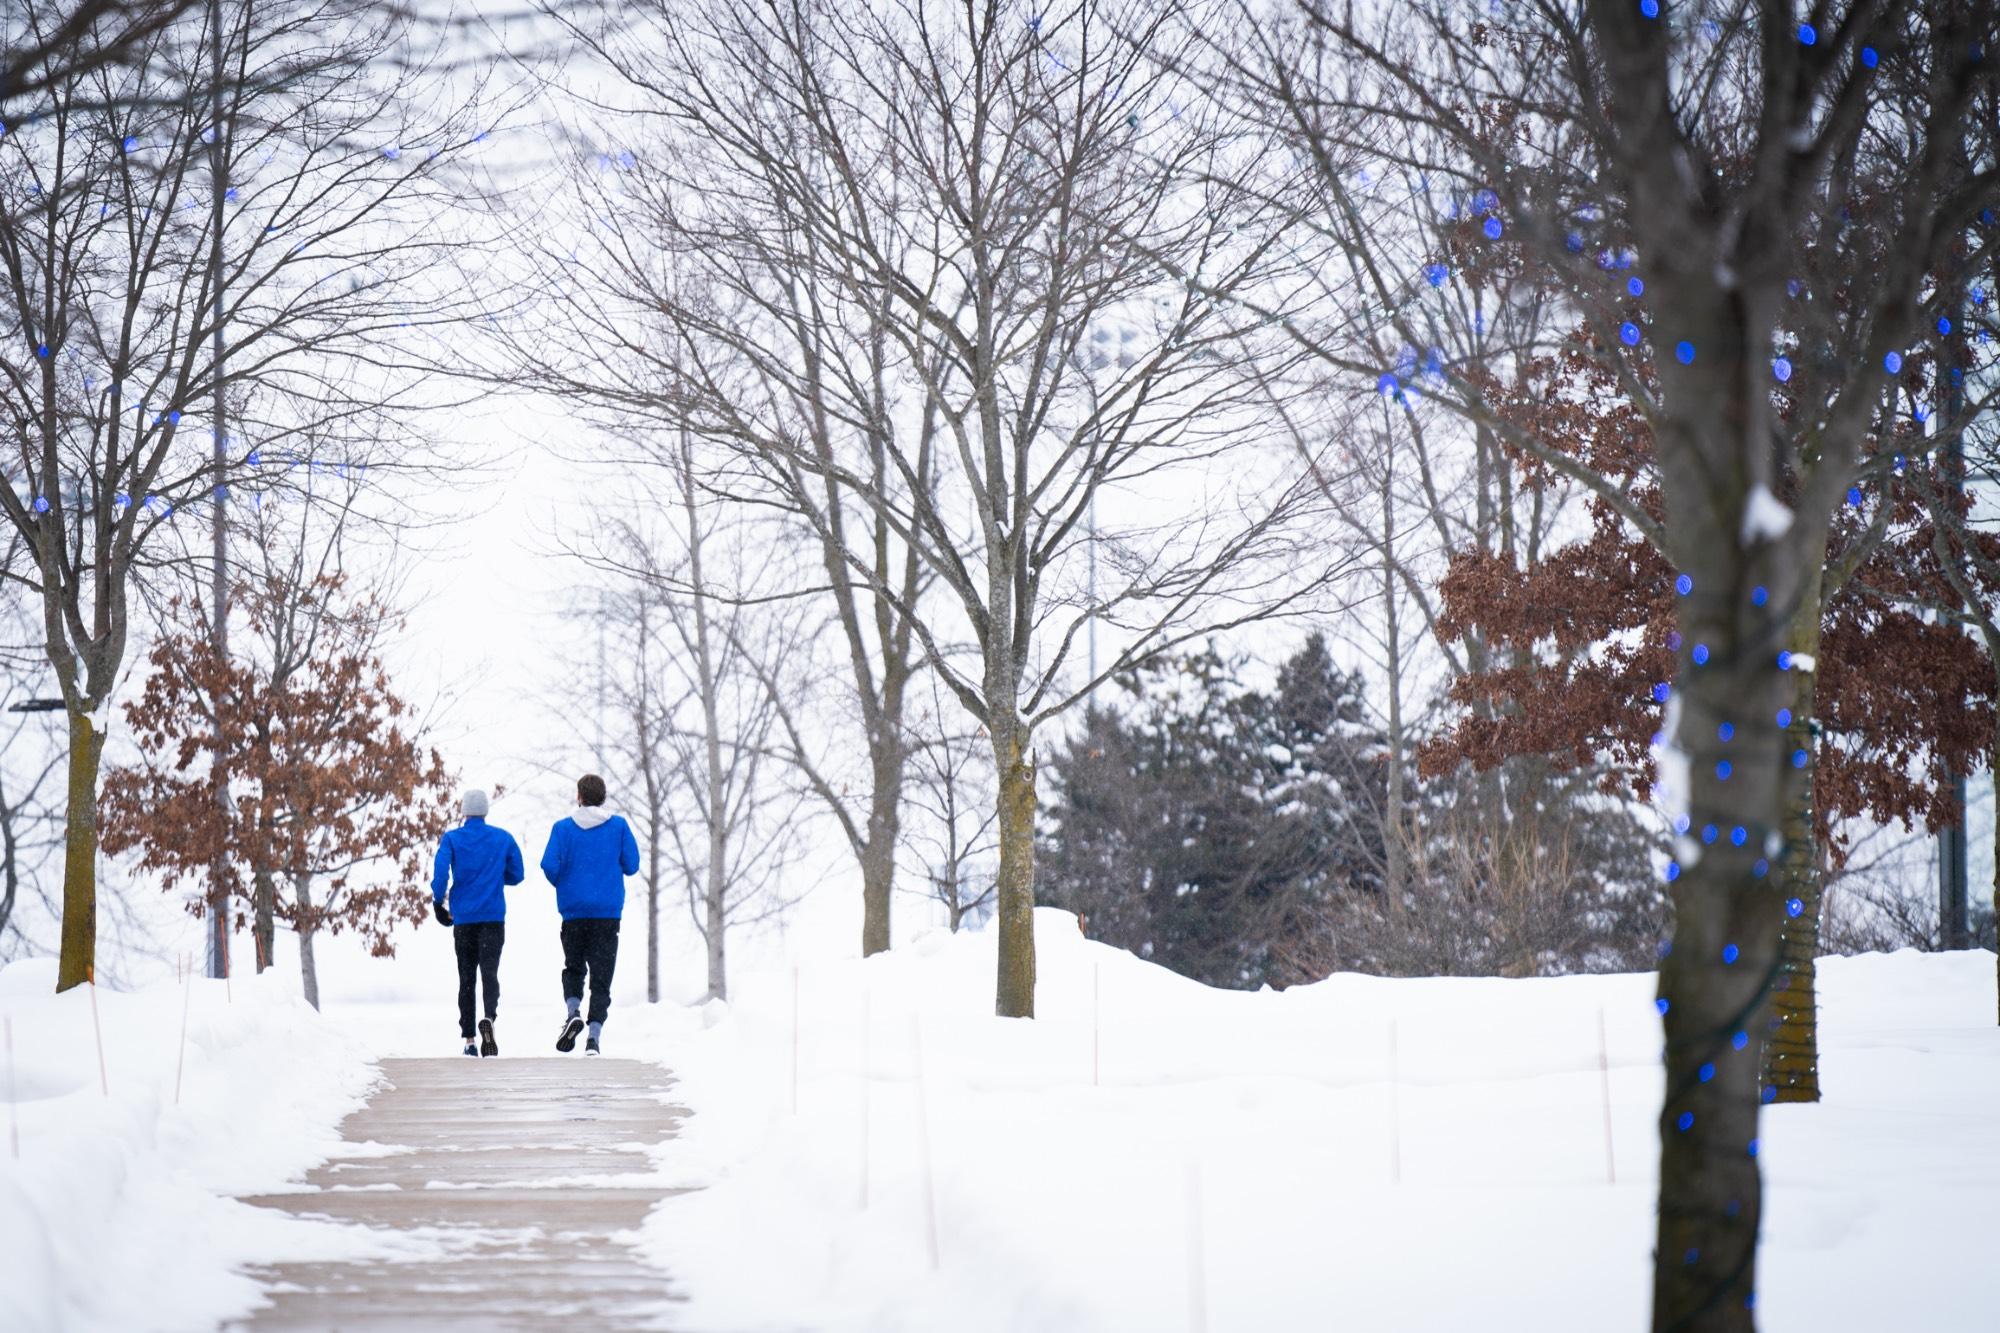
(114, 1214)
(1363, 1153)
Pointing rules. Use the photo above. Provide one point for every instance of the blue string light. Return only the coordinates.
(1740, 1040)
(1800, 758)
(1708, 833)
(1784, 717)
(1628, 333)
(1761, 869)
(1723, 770)
(1386, 386)
(1492, 228)
(131, 142)
(1944, 325)
(1701, 654)
(1854, 497)
(1636, 286)
(1870, 57)
(1892, 361)
(1759, 595)
(1782, 368)
(1661, 691)
(1784, 661)
(1685, 353)
(1673, 640)
(1650, 8)
(1435, 274)
(1673, 871)
(1726, 732)
(1793, 907)
(41, 351)
(1681, 823)
(1739, 835)
(1661, 1003)
(1808, 35)
(1705, 1073)
(1730, 953)
(1684, 584)
(1686, 1122)
(41, 504)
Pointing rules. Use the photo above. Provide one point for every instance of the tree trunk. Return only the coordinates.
(308, 967)
(263, 930)
(1015, 993)
(878, 853)
(653, 914)
(718, 975)
(79, 922)
(1715, 982)
(1791, 1047)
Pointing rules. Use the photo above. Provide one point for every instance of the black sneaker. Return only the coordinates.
(471, 1050)
(487, 1046)
(567, 1041)
(590, 1047)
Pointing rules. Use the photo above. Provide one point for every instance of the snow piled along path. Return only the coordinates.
(116, 1214)
(1200, 1159)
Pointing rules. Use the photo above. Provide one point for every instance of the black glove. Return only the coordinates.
(438, 908)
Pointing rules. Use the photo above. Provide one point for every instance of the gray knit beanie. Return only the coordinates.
(474, 804)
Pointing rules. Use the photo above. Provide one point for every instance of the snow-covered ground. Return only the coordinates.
(114, 1205)
(1150, 1154)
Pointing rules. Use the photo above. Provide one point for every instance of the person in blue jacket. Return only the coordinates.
(588, 856)
(475, 864)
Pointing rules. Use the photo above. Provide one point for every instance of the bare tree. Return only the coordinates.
(952, 829)
(982, 205)
(333, 271)
(1718, 199)
(701, 665)
(48, 46)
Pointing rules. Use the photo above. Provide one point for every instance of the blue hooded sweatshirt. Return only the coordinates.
(588, 856)
(477, 861)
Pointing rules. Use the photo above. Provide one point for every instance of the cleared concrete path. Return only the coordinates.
(523, 1171)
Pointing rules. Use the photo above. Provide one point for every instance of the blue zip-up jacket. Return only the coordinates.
(588, 856)
(474, 865)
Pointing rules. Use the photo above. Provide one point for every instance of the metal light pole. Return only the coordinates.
(218, 913)
(1954, 874)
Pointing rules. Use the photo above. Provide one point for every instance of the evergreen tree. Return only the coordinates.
(1205, 824)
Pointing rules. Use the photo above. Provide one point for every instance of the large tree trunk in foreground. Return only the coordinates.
(308, 966)
(1742, 787)
(1791, 1046)
(79, 923)
(1015, 994)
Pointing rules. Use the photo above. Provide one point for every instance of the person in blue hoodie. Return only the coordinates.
(587, 859)
(475, 864)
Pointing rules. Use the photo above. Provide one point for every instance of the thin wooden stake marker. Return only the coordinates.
(180, 1062)
(13, 1100)
(1197, 1253)
(924, 1139)
(1395, 1113)
(1604, 1079)
(1096, 1021)
(867, 1087)
(96, 1027)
